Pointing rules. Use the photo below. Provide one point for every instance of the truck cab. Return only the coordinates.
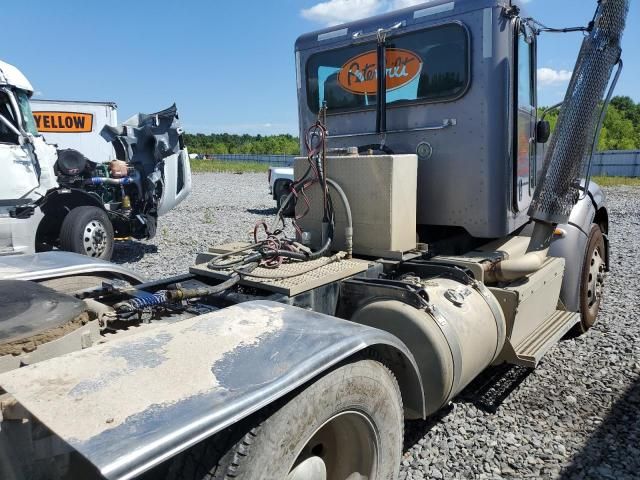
(460, 93)
(27, 162)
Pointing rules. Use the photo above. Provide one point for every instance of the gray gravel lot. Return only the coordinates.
(576, 416)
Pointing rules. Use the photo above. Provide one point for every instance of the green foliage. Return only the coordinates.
(621, 126)
(606, 181)
(221, 143)
(620, 131)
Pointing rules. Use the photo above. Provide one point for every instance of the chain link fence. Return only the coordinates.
(617, 163)
(276, 160)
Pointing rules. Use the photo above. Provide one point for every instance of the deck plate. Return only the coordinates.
(303, 280)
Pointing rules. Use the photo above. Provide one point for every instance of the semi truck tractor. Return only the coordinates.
(56, 197)
(438, 231)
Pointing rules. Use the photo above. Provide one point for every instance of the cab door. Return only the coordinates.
(525, 106)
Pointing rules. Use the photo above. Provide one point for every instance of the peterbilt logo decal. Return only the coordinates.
(63, 122)
(359, 74)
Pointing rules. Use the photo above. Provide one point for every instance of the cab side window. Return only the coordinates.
(525, 77)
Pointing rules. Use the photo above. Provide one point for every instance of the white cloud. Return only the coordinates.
(548, 76)
(333, 12)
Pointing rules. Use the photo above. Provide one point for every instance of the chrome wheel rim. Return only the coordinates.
(345, 447)
(595, 281)
(94, 238)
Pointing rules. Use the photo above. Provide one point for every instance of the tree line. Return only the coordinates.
(223, 143)
(620, 131)
(621, 126)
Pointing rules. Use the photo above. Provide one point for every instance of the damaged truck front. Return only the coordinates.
(60, 199)
(150, 176)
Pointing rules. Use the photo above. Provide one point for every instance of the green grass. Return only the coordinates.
(200, 166)
(606, 181)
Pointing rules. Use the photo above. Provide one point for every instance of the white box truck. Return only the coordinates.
(76, 125)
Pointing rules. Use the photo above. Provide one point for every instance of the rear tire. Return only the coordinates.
(88, 231)
(592, 279)
(348, 424)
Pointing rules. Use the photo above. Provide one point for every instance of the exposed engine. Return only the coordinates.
(131, 208)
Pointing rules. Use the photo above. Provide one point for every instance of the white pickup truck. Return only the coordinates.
(280, 179)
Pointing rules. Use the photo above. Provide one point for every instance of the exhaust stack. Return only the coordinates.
(557, 192)
(564, 161)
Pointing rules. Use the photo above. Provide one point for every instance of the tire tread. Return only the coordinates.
(226, 452)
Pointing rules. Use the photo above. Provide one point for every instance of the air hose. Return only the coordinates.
(139, 303)
(269, 250)
(175, 293)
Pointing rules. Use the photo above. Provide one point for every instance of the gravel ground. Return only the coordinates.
(222, 207)
(576, 416)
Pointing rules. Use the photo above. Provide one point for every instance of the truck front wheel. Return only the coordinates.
(592, 280)
(87, 230)
(346, 425)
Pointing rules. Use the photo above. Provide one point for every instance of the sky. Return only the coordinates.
(229, 65)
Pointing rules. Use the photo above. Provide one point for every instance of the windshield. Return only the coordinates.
(28, 122)
(425, 66)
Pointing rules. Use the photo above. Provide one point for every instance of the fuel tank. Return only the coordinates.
(455, 333)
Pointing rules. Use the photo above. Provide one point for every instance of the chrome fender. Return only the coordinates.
(139, 400)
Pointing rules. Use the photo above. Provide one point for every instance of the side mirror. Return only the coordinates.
(543, 131)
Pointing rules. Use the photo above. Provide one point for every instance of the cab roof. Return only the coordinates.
(12, 77)
(433, 10)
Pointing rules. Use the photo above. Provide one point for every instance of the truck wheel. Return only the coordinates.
(592, 280)
(347, 425)
(87, 230)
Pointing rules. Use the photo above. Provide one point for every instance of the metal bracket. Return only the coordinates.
(360, 35)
